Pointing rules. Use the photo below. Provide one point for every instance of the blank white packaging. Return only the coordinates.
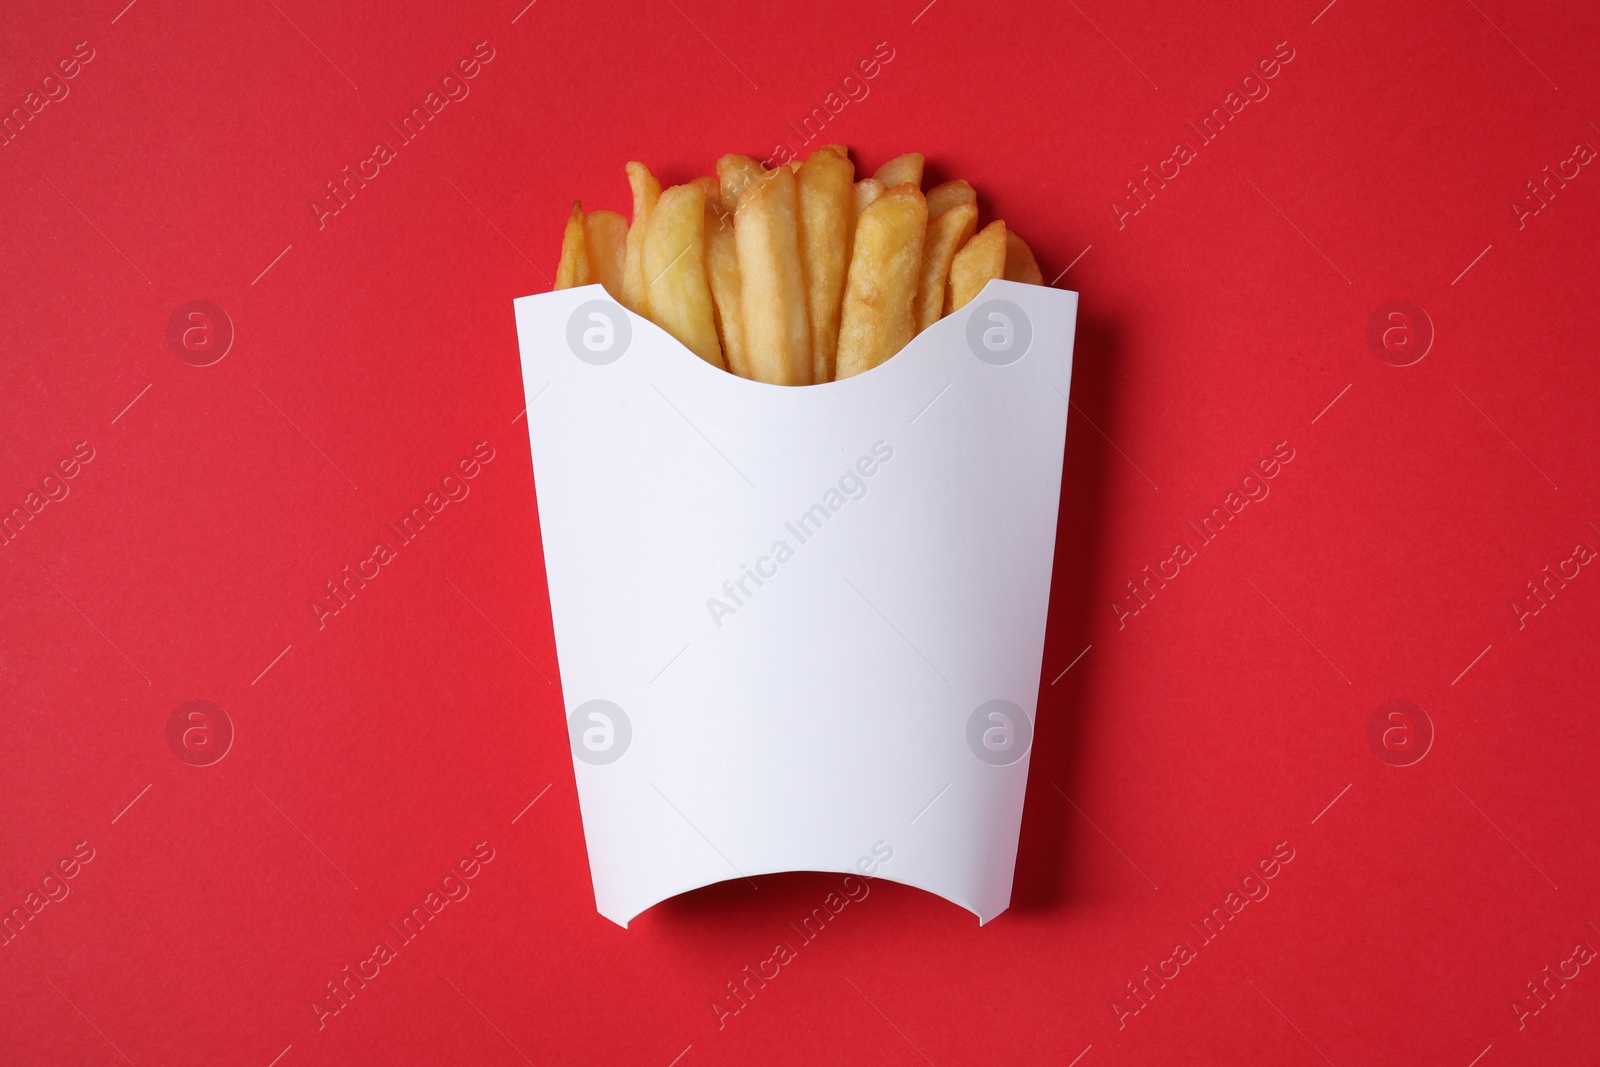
(799, 628)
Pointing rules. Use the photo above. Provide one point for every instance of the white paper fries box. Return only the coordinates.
(799, 628)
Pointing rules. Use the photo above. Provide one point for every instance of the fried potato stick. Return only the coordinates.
(825, 187)
(980, 259)
(646, 190)
(573, 270)
(946, 235)
(878, 318)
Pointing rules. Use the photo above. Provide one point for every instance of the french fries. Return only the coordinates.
(645, 192)
(981, 260)
(676, 284)
(867, 190)
(825, 186)
(877, 319)
(766, 231)
(1020, 264)
(947, 233)
(727, 287)
(574, 266)
(799, 274)
(942, 198)
(605, 236)
(901, 169)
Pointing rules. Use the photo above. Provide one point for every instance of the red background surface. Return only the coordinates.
(1185, 744)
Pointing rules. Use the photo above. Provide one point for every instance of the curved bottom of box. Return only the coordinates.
(646, 898)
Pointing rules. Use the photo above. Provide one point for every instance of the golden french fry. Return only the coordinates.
(867, 190)
(824, 186)
(901, 169)
(605, 235)
(877, 318)
(635, 296)
(674, 258)
(722, 271)
(737, 175)
(946, 235)
(943, 197)
(980, 259)
(766, 232)
(1020, 264)
(573, 270)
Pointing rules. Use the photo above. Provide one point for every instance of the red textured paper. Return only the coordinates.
(1178, 748)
